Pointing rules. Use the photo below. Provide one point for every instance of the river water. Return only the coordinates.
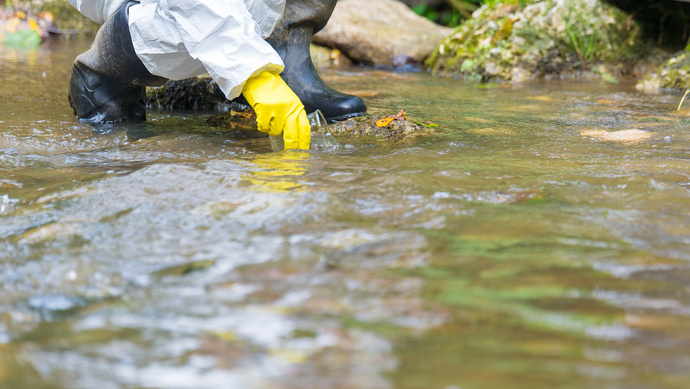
(512, 247)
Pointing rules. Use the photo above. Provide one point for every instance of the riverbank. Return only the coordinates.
(506, 41)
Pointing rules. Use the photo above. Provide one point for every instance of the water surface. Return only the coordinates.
(505, 249)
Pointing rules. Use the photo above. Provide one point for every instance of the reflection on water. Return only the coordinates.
(279, 172)
(515, 247)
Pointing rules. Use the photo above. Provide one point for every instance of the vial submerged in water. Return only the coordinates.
(321, 137)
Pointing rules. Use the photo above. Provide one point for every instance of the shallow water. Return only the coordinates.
(505, 249)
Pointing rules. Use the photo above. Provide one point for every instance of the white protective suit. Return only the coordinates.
(178, 39)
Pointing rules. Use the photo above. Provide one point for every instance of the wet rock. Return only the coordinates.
(673, 74)
(51, 231)
(241, 119)
(625, 136)
(193, 93)
(381, 32)
(365, 126)
(549, 38)
(325, 57)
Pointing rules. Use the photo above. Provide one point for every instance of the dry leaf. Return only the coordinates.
(384, 122)
(388, 119)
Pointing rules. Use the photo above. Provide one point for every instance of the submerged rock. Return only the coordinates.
(381, 32)
(242, 118)
(549, 38)
(632, 136)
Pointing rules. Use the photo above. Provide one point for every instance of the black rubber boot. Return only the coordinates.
(108, 82)
(291, 38)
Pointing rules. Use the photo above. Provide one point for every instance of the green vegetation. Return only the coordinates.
(673, 74)
(521, 40)
(457, 11)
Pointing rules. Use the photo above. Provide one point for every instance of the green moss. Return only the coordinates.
(365, 126)
(674, 74)
(542, 38)
(192, 93)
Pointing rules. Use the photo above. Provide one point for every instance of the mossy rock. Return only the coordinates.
(192, 93)
(674, 74)
(365, 126)
(244, 120)
(547, 38)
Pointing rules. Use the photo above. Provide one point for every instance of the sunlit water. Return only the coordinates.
(503, 250)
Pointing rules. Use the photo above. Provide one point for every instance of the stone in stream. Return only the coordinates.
(632, 136)
(549, 38)
(364, 127)
(193, 93)
(381, 32)
(673, 74)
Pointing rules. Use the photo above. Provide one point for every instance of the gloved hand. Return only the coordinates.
(278, 109)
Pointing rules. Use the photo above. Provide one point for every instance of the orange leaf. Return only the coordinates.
(384, 122)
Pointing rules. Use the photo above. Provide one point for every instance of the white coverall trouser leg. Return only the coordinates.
(178, 39)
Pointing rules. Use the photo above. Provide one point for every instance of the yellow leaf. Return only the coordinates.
(34, 26)
(384, 122)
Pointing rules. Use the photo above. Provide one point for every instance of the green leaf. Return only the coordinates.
(427, 124)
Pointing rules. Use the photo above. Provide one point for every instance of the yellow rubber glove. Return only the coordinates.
(278, 109)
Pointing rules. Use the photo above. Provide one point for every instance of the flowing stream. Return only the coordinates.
(516, 246)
